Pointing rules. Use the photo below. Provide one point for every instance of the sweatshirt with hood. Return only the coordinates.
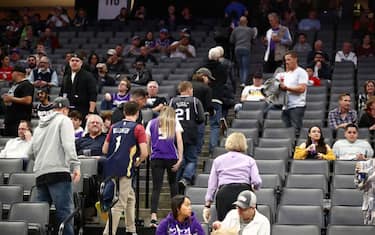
(170, 226)
(53, 145)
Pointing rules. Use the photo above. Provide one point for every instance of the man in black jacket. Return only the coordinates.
(79, 86)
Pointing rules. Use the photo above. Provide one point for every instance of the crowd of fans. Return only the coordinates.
(176, 131)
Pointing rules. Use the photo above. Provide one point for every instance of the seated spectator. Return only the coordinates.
(45, 106)
(92, 61)
(146, 57)
(252, 92)
(15, 57)
(80, 20)
(321, 68)
(17, 147)
(313, 80)
(346, 54)
(366, 49)
(5, 69)
(120, 51)
(245, 219)
(91, 144)
(58, 19)
(31, 64)
(134, 49)
(363, 24)
(314, 147)
(43, 75)
(140, 13)
(182, 49)
(107, 121)
(163, 42)
(154, 101)
(369, 91)
(351, 148)
(40, 52)
(170, 20)
(302, 46)
(310, 23)
(114, 100)
(142, 75)
(28, 41)
(123, 15)
(342, 115)
(103, 78)
(49, 40)
(318, 47)
(186, 17)
(76, 118)
(368, 117)
(114, 64)
(149, 42)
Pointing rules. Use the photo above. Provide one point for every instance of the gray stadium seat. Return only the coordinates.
(343, 181)
(266, 211)
(281, 229)
(201, 180)
(217, 151)
(273, 123)
(346, 215)
(271, 167)
(307, 181)
(346, 197)
(344, 167)
(27, 180)
(250, 114)
(10, 165)
(245, 123)
(13, 227)
(254, 105)
(320, 167)
(275, 143)
(10, 194)
(266, 196)
(198, 211)
(305, 196)
(265, 153)
(271, 181)
(300, 215)
(279, 133)
(350, 230)
(196, 194)
(274, 114)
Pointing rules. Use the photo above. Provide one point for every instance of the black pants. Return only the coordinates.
(271, 65)
(225, 197)
(157, 170)
(11, 129)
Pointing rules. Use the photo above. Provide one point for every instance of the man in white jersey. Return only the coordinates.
(294, 82)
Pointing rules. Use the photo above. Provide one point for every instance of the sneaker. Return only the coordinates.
(182, 185)
(154, 223)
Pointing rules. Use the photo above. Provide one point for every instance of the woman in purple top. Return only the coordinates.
(181, 221)
(162, 134)
(231, 173)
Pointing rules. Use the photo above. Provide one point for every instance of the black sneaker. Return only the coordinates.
(154, 223)
(182, 185)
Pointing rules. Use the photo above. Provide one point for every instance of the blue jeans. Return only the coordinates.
(243, 60)
(189, 163)
(215, 126)
(294, 118)
(200, 137)
(60, 194)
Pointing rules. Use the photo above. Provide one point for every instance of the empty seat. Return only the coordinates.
(320, 167)
(307, 181)
(344, 167)
(36, 214)
(280, 153)
(266, 196)
(271, 167)
(254, 105)
(201, 180)
(300, 215)
(281, 229)
(10, 194)
(279, 133)
(346, 197)
(10, 165)
(273, 123)
(275, 143)
(207, 166)
(27, 180)
(178, 77)
(274, 114)
(350, 230)
(250, 114)
(217, 151)
(13, 227)
(196, 194)
(245, 123)
(346, 215)
(89, 166)
(198, 211)
(271, 181)
(305, 196)
(343, 181)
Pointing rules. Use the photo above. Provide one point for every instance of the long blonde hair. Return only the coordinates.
(167, 122)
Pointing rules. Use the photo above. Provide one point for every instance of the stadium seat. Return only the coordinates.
(346, 197)
(302, 196)
(281, 229)
(307, 181)
(320, 167)
(13, 227)
(350, 230)
(300, 215)
(346, 215)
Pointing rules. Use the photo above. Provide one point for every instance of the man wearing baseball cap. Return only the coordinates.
(246, 220)
(56, 164)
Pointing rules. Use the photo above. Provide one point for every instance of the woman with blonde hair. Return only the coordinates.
(231, 173)
(162, 134)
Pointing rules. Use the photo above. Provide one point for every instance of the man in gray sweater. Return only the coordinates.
(241, 38)
(53, 150)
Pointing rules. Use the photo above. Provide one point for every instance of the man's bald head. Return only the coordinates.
(243, 21)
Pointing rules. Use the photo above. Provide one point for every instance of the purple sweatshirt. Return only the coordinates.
(170, 226)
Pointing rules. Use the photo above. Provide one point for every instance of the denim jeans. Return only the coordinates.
(189, 163)
(60, 194)
(294, 118)
(215, 126)
(243, 60)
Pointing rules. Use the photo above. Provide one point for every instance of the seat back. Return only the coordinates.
(344, 167)
(196, 194)
(350, 230)
(265, 153)
(282, 229)
(271, 181)
(305, 196)
(343, 181)
(266, 211)
(13, 227)
(266, 196)
(89, 167)
(198, 211)
(266, 167)
(27, 180)
(307, 181)
(300, 215)
(346, 197)
(201, 180)
(313, 167)
(346, 215)
(10, 194)
(10, 165)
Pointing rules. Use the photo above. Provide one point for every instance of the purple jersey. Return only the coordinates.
(162, 147)
(118, 99)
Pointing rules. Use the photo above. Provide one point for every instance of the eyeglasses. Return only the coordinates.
(23, 129)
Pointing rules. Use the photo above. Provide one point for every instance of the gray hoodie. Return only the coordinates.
(53, 147)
